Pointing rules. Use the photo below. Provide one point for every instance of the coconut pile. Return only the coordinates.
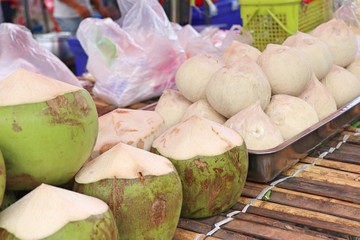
(66, 173)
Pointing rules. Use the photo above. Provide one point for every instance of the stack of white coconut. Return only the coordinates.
(270, 96)
(131, 174)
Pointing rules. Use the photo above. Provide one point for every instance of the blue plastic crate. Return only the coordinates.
(80, 56)
(228, 14)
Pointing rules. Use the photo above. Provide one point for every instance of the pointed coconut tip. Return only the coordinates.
(125, 162)
(196, 136)
(23, 86)
(46, 209)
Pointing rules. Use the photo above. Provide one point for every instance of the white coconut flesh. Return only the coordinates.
(196, 136)
(318, 52)
(257, 129)
(319, 97)
(134, 127)
(172, 106)
(202, 108)
(125, 162)
(23, 87)
(47, 209)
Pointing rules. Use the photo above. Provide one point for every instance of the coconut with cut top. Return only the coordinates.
(142, 189)
(212, 163)
(48, 129)
(50, 212)
(138, 128)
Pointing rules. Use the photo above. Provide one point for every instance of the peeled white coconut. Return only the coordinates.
(49, 212)
(286, 68)
(354, 67)
(212, 163)
(317, 52)
(320, 98)
(340, 39)
(232, 89)
(256, 128)
(142, 189)
(48, 129)
(193, 75)
(343, 85)
(203, 109)
(172, 106)
(291, 114)
(237, 50)
(138, 128)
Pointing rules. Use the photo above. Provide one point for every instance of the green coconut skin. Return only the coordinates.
(100, 227)
(2, 178)
(212, 185)
(47, 142)
(144, 208)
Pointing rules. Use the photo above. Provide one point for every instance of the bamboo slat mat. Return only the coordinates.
(322, 201)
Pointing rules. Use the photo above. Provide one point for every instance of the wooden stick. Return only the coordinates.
(348, 167)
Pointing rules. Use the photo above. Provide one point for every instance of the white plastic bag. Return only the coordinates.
(18, 49)
(134, 59)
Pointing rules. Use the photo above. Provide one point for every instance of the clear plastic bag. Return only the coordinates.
(18, 49)
(135, 58)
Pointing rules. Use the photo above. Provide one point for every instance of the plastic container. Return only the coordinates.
(228, 14)
(272, 21)
(80, 56)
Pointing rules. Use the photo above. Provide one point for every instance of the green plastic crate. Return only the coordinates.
(272, 21)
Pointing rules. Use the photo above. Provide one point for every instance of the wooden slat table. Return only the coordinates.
(321, 202)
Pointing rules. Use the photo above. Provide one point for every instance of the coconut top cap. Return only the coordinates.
(125, 162)
(46, 209)
(23, 86)
(196, 136)
(127, 126)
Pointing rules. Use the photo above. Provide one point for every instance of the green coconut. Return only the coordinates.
(137, 128)
(212, 162)
(142, 189)
(48, 129)
(53, 213)
(2, 178)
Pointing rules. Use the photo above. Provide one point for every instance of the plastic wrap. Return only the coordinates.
(18, 49)
(133, 59)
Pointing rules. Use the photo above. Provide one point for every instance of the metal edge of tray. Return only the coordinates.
(265, 165)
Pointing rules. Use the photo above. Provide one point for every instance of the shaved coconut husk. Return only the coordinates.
(354, 67)
(172, 106)
(320, 98)
(48, 129)
(286, 68)
(55, 213)
(194, 74)
(238, 50)
(291, 114)
(342, 84)
(232, 89)
(2, 178)
(138, 128)
(317, 52)
(340, 39)
(212, 163)
(142, 189)
(256, 128)
(203, 109)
